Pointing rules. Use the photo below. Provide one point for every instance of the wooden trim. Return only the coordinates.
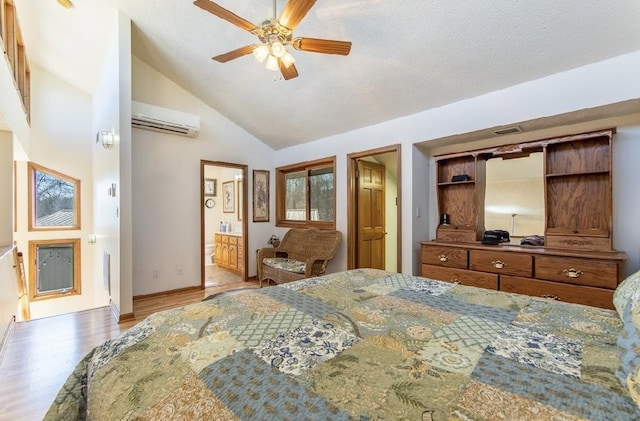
(615, 255)
(120, 318)
(13, 47)
(21, 278)
(15, 196)
(9, 31)
(517, 147)
(3, 27)
(126, 317)
(306, 166)
(31, 168)
(33, 269)
(164, 293)
(352, 167)
(245, 219)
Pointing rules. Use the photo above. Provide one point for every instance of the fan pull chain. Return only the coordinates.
(274, 10)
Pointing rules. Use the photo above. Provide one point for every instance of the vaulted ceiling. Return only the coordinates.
(407, 55)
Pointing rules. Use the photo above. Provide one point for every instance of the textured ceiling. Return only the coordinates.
(407, 55)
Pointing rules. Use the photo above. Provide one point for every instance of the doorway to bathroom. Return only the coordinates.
(223, 225)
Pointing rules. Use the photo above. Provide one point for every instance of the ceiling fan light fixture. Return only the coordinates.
(277, 49)
(272, 63)
(288, 59)
(274, 35)
(261, 52)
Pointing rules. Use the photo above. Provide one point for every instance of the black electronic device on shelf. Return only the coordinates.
(460, 177)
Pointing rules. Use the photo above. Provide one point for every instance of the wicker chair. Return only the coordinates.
(302, 253)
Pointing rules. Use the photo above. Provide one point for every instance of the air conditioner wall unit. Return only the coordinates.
(164, 120)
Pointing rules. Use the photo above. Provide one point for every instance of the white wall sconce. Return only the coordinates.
(91, 238)
(107, 139)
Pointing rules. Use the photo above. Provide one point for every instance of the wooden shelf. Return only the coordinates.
(577, 190)
(578, 187)
(569, 174)
(454, 183)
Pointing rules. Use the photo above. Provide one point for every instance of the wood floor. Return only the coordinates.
(40, 354)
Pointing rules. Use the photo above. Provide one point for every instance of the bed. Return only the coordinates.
(365, 345)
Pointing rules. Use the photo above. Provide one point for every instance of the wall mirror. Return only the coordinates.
(514, 195)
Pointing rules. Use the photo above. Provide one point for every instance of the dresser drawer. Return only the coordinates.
(502, 262)
(452, 257)
(461, 276)
(591, 272)
(233, 239)
(224, 239)
(591, 296)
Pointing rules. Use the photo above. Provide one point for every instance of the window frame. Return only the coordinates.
(307, 166)
(33, 270)
(32, 168)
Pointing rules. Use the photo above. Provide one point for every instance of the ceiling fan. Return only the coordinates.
(65, 3)
(275, 34)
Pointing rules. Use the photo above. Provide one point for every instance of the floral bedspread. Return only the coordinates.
(357, 345)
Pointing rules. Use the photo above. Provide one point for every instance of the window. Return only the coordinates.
(54, 200)
(305, 194)
(54, 268)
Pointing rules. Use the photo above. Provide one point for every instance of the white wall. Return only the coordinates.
(61, 140)
(626, 194)
(166, 185)
(8, 286)
(391, 222)
(8, 291)
(126, 193)
(594, 85)
(6, 188)
(106, 171)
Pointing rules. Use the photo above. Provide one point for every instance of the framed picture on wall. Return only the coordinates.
(210, 187)
(260, 196)
(240, 202)
(228, 197)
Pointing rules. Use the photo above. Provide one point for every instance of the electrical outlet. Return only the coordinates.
(156, 274)
(179, 270)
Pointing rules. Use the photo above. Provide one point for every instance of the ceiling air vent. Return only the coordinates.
(508, 130)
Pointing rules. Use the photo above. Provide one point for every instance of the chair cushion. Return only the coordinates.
(282, 263)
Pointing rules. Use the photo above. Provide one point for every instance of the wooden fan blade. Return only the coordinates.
(223, 13)
(324, 46)
(287, 72)
(242, 51)
(294, 11)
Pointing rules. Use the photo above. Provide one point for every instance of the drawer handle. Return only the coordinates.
(498, 264)
(572, 273)
(551, 297)
(443, 258)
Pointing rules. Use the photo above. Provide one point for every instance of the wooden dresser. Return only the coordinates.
(229, 251)
(577, 262)
(584, 277)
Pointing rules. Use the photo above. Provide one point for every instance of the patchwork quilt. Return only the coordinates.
(357, 345)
